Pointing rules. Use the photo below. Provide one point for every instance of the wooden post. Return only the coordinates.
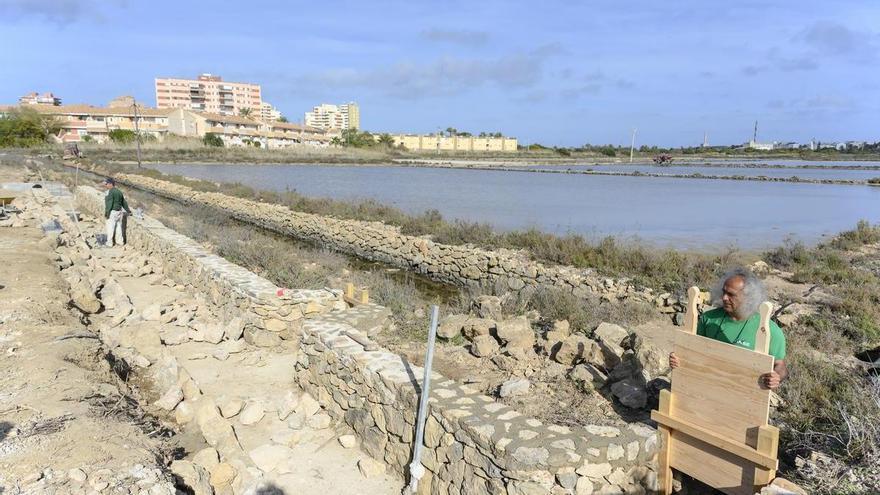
(365, 296)
(664, 461)
(768, 443)
(762, 338)
(349, 290)
(690, 318)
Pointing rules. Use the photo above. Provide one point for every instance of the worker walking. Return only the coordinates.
(115, 209)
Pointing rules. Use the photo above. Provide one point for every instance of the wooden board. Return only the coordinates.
(717, 387)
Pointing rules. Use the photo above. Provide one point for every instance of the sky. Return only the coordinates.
(559, 73)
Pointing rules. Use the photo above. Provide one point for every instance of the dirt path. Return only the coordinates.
(67, 424)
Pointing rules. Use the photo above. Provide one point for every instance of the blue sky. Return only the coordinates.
(554, 72)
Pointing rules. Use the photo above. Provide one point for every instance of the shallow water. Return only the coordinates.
(831, 172)
(683, 213)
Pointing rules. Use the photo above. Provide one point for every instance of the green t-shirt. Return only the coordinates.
(717, 325)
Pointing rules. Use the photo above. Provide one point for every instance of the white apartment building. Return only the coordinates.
(268, 113)
(336, 117)
(39, 99)
(209, 93)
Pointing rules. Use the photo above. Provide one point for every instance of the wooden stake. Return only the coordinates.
(762, 339)
(690, 318)
(664, 460)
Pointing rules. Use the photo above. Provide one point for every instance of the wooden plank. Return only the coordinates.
(740, 450)
(691, 316)
(664, 461)
(717, 386)
(762, 338)
(768, 444)
(713, 466)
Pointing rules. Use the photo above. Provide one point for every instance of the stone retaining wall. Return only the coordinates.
(268, 313)
(474, 444)
(504, 270)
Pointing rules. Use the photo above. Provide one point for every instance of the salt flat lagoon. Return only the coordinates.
(684, 213)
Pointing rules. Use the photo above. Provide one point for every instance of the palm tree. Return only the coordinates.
(245, 112)
(386, 140)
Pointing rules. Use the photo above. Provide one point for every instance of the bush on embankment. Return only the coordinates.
(833, 407)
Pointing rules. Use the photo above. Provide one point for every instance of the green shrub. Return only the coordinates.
(122, 136)
(212, 139)
(25, 128)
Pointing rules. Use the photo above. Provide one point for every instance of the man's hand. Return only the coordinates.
(771, 380)
(674, 362)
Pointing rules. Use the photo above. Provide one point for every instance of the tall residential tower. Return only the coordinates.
(335, 117)
(209, 93)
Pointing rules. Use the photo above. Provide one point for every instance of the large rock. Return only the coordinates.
(234, 329)
(270, 456)
(485, 346)
(588, 375)
(574, 349)
(476, 327)
(83, 298)
(307, 406)
(252, 413)
(370, 468)
(213, 333)
(516, 333)
(194, 476)
(611, 339)
(514, 387)
(489, 307)
(451, 326)
(261, 338)
(630, 392)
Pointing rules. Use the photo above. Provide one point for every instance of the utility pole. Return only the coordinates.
(755, 135)
(632, 145)
(137, 131)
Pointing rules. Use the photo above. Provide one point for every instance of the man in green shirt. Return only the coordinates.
(736, 322)
(115, 208)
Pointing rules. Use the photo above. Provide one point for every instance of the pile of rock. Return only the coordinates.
(613, 360)
(137, 480)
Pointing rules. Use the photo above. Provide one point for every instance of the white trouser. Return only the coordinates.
(114, 224)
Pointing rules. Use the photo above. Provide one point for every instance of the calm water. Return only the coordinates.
(685, 213)
(804, 173)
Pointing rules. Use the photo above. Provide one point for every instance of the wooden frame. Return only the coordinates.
(713, 423)
(355, 297)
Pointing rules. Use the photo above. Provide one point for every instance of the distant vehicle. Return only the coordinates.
(663, 159)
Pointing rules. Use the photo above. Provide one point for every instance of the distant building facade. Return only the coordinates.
(268, 113)
(78, 123)
(39, 99)
(244, 131)
(335, 117)
(433, 142)
(209, 93)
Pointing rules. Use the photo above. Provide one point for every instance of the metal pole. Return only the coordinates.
(416, 470)
(137, 132)
(632, 145)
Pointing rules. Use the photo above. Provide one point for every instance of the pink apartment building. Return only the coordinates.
(209, 93)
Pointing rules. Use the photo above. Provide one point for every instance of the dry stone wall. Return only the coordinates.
(504, 270)
(474, 444)
(267, 313)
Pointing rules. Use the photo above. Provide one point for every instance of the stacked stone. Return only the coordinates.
(473, 444)
(269, 314)
(460, 265)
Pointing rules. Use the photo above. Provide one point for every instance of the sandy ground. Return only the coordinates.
(61, 406)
